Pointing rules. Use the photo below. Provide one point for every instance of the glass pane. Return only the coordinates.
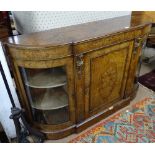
(140, 61)
(47, 93)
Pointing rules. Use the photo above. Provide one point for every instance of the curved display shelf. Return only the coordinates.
(52, 99)
(47, 79)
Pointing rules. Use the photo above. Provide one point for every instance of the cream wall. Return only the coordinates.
(32, 21)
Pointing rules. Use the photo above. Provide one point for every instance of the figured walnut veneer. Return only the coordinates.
(101, 61)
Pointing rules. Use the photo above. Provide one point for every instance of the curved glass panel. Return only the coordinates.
(47, 93)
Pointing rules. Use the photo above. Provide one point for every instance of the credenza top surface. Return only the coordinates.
(74, 33)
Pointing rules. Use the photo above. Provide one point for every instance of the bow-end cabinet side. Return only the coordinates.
(45, 83)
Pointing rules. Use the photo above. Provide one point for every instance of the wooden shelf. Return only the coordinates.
(52, 99)
(47, 79)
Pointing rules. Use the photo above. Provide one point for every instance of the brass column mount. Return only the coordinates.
(137, 44)
(79, 64)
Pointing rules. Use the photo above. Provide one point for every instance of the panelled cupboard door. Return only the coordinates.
(48, 87)
(105, 76)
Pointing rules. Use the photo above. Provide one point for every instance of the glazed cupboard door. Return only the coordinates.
(49, 89)
(105, 76)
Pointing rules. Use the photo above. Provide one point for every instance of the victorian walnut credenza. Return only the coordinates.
(70, 78)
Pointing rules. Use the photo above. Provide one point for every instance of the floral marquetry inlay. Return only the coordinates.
(107, 73)
(108, 78)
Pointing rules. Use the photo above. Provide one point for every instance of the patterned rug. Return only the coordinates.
(148, 80)
(136, 125)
